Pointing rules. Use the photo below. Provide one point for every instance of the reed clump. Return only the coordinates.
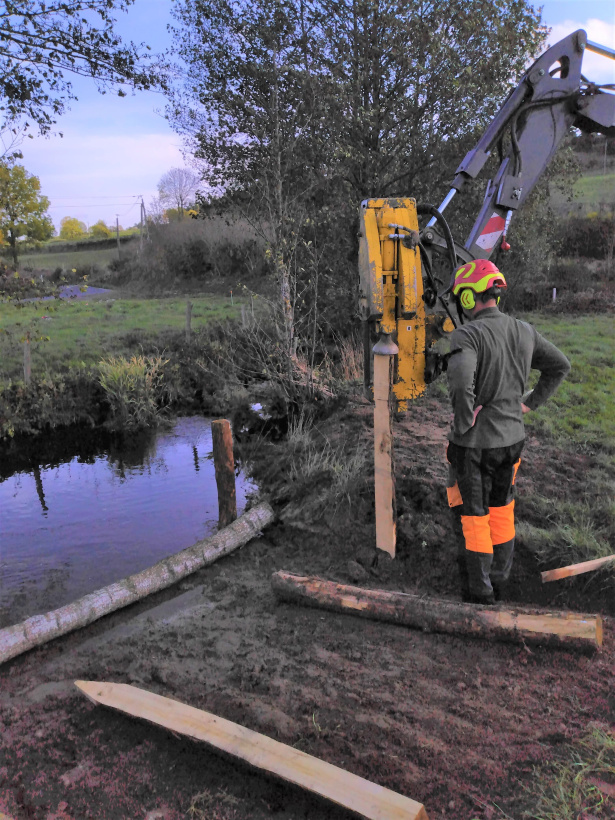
(134, 389)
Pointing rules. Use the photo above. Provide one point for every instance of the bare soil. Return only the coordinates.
(455, 723)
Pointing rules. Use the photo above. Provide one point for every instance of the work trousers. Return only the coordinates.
(480, 493)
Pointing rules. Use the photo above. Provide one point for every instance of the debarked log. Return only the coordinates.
(14, 640)
(561, 629)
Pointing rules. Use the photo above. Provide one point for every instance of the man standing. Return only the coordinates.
(487, 378)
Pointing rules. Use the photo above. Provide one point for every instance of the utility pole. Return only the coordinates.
(117, 234)
(143, 227)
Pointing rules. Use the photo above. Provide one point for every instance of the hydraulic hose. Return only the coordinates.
(425, 208)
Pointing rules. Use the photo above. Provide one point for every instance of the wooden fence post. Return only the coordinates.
(188, 319)
(384, 470)
(27, 360)
(224, 464)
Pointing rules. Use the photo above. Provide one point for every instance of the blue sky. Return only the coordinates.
(114, 150)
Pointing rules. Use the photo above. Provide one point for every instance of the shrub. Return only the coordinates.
(194, 251)
(133, 388)
(589, 236)
(52, 402)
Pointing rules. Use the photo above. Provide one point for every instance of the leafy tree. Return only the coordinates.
(251, 116)
(177, 189)
(41, 43)
(99, 230)
(71, 228)
(302, 108)
(22, 209)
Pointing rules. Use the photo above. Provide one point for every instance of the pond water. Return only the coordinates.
(72, 523)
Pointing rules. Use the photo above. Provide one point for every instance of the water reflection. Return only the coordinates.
(88, 511)
(39, 488)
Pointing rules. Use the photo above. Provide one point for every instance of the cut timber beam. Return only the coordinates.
(576, 569)
(566, 629)
(42, 628)
(384, 472)
(365, 798)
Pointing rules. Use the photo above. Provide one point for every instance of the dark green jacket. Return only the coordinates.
(492, 369)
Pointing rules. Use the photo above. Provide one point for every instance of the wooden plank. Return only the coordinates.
(576, 569)
(367, 799)
(42, 628)
(224, 465)
(566, 629)
(384, 480)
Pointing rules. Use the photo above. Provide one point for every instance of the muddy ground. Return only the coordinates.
(455, 723)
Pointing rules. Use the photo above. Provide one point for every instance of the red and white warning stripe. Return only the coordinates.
(492, 231)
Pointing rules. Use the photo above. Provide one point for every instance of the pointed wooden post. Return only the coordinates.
(224, 464)
(384, 474)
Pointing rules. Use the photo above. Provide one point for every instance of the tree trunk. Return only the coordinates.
(562, 629)
(42, 628)
(13, 247)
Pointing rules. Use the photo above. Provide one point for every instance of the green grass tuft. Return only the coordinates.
(580, 787)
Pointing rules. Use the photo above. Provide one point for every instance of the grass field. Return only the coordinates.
(72, 334)
(80, 259)
(590, 192)
(582, 411)
(580, 418)
(583, 408)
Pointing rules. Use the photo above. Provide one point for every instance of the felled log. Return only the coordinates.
(367, 799)
(576, 569)
(563, 629)
(42, 628)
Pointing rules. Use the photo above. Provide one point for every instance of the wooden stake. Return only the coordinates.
(575, 569)
(565, 629)
(27, 361)
(367, 799)
(224, 464)
(384, 475)
(43, 628)
(188, 320)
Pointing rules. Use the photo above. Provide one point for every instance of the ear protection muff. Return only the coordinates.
(467, 299)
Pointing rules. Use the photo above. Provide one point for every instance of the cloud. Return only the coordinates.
(595, 67)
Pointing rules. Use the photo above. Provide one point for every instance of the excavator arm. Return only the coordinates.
(551, 98)
(398, 295)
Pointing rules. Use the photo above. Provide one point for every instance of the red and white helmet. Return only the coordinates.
(479, 276)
